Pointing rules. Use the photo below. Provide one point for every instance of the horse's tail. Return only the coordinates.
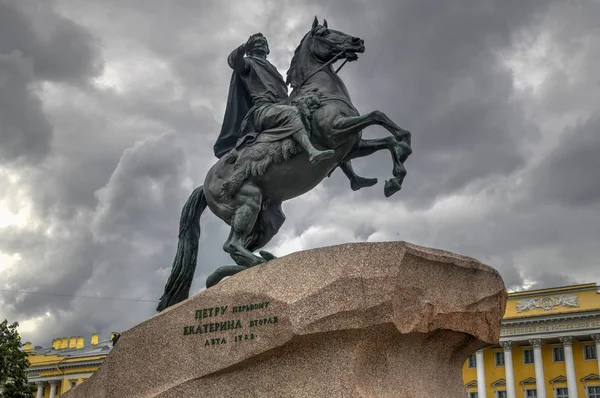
(182, 272)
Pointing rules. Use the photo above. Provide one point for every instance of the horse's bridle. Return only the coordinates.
(341, 53)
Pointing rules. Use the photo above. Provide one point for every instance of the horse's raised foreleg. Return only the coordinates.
(350, 125)
(368, 147)
(356, 182)
(400, 148)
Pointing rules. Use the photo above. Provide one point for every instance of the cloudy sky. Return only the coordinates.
(109, 110)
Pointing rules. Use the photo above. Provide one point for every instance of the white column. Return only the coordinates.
(40, 390)
(481, 387)
(53, 385)
(508, 369)
(570, 365)
(540, 381)
(596, 338)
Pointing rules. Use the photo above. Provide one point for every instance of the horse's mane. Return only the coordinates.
(294, 73)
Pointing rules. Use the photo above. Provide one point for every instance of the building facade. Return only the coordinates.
(549, 345)
(57, 369)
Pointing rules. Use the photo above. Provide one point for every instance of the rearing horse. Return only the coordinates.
(265, 174)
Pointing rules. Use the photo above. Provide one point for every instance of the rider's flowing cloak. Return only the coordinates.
(238, 105)
(245, 118)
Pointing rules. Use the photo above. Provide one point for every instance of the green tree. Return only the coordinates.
(13, 364)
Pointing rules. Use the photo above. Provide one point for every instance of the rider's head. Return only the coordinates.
(257, 45)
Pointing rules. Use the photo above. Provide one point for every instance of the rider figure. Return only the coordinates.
(255, 106)
(267, 91)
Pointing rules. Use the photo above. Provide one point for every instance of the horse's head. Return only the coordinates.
(320, 46)
(326, 44)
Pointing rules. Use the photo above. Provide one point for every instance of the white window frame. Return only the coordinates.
(585, 344)
(557, 347)
(532, 356)
(587, 391)
(497, 393)
(474, 362)
(501, 353)
(530, 389)
(560, 388)
(473, 394)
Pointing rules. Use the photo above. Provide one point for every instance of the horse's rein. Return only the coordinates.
(332, 60)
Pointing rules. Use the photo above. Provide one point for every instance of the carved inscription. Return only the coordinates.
(226, 318)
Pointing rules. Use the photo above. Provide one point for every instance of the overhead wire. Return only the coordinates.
(78, 296)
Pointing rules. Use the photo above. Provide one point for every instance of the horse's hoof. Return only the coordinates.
(223, 272)
(266, 255)
(362, 182)
(391, 187)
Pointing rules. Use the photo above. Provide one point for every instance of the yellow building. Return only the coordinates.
(550, 335)
(67, 363)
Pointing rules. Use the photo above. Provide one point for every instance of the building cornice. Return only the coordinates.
(550, 327)
(60, 377)
(555, 290)
(563, 316)
(63, 365)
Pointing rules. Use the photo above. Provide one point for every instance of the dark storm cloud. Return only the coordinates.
(569, 175)
(36, 44)
(60, 49)
(547, 280)
(129, 147)
(25, 132)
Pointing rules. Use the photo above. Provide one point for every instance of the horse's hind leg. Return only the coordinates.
(270, 219)
(247, 206)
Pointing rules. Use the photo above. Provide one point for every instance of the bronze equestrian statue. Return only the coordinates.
(274, 147)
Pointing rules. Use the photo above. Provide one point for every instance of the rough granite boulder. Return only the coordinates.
(370, 320)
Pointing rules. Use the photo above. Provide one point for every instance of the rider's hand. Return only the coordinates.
(248, 43)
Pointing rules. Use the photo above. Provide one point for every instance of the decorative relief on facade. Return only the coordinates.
(507, 345)
(547, 303)
(536, 343)
(566, 340)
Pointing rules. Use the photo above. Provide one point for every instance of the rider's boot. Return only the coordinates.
(314, 155)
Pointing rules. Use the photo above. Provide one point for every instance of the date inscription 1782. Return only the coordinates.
(224, 319)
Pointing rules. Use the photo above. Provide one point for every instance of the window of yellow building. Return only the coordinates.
(531, 393)
(528, 356)
(472, 362)
(499, 358)
(562, 393)
(558, 354)
(593, 392)
(589, 351)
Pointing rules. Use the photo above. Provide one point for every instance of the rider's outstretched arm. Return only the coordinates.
(237, 61)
